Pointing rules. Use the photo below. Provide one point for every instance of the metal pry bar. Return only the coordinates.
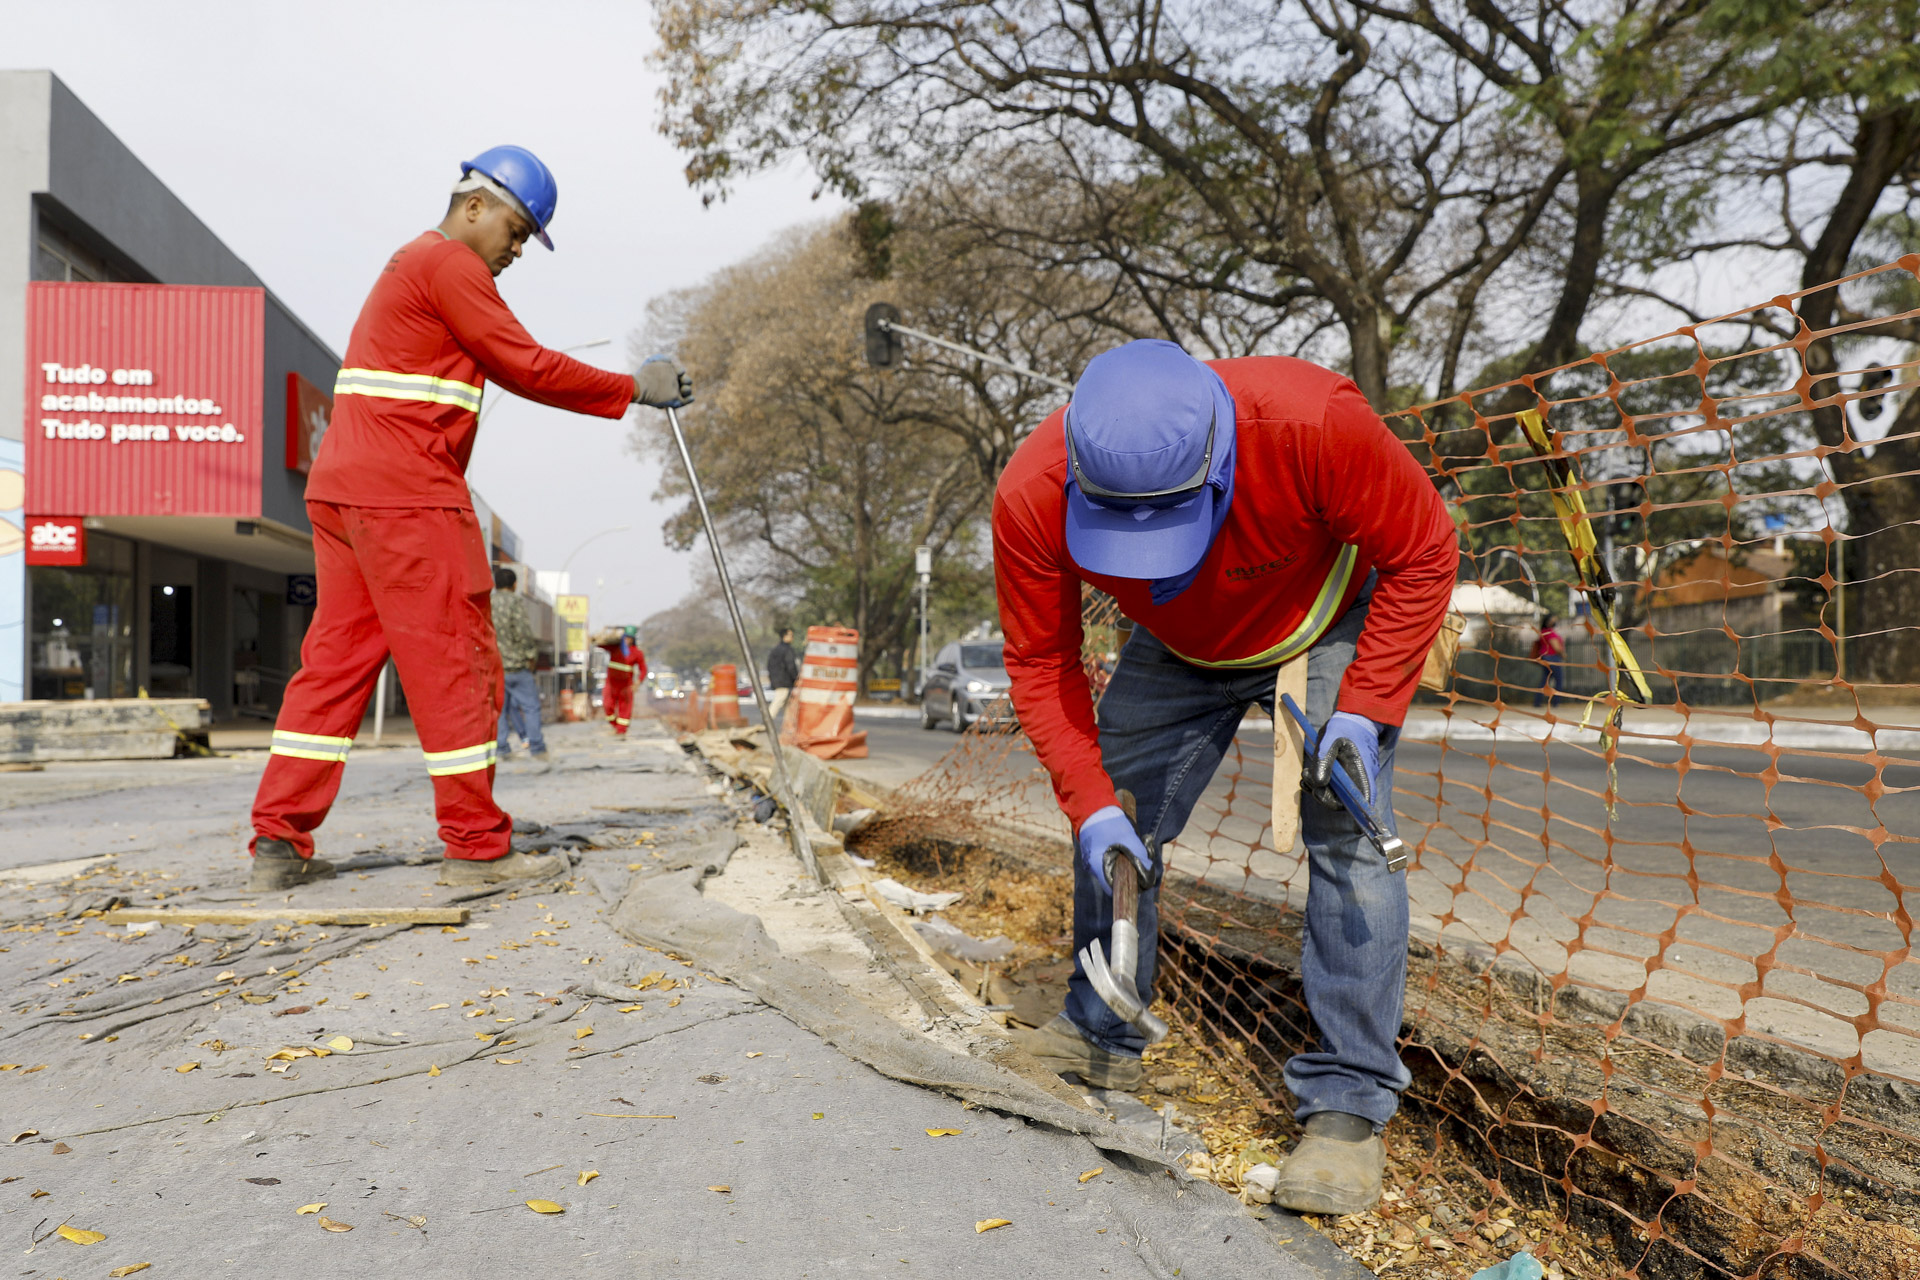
(1391, 847)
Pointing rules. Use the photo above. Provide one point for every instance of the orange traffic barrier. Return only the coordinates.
(726, 696)
(821, 714)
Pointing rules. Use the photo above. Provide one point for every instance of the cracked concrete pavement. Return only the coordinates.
(462, 1071)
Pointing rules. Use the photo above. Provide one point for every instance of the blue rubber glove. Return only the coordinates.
(663, 384)
(1105, 829)
(1354, 743)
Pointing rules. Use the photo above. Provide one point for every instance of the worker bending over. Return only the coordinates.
(401, 560)
(1241, 512)
(626, 668)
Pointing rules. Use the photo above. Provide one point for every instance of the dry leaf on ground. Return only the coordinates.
(311, 1208)
(185, 1067)
(79, 1235)
(61, 1149)
(340, 1044)
(433, 1070)
(583, 1033)
(328, 1224)
(988, 1224)
(1091, 1174)
(586, 1176)
(545, 1206)
(129, 1269)
(507, 1062)
(943, 1133)
(23, 1135)
(720, 1187)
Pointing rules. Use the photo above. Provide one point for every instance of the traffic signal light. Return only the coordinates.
(884, 345)
(1623, 503)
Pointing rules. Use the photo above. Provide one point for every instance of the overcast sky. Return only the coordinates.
(315, 139)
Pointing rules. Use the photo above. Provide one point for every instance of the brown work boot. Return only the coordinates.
(514, 866)
(1336, 1169)
(278, 865)
(1063, 1050)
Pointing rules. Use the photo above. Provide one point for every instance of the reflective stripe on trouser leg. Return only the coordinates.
(442, 764)
(619, 699)
(340, 662)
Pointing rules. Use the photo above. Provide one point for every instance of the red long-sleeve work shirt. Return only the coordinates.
(406, 404)
(625, 661)
(1315, 471)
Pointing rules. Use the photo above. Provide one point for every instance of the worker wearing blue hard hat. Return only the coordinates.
(1257, 523)
(401, 559)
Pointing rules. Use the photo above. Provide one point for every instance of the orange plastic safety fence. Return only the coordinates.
(1662, 983)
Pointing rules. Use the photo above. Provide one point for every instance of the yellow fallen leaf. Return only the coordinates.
(988, 1224)
(720, 1187)
(545, 1206)
(943, 1133)
(635, 866)
(754, 1054)
(23, 1135)
(79, 1236)
(433, 1070)
(587, 1176)
(361, 995)
(629, 1008)
(128, 1270)
(507, 1062)
(432, 1007)
(674, 1003)
(340, 1044)
(9, 1066)
(311, 1208)
(583, 1033)
(1091, 1174)
(328, 1224)
(185, 1067)
(819, 1115)
(225, 977)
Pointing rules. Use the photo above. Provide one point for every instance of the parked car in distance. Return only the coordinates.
(968, 682)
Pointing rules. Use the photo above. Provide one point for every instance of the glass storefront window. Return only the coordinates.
(82, 637)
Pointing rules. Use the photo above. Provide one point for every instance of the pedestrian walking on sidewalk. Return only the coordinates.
(1550, 651)
(626, 668)
(519, 651)
(1243, 513)
(401, 560)
(783, 672)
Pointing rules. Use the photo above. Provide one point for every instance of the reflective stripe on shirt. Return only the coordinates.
(1318, 619)
(407, 386)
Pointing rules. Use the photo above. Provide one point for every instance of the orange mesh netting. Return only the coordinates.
(1660, 976)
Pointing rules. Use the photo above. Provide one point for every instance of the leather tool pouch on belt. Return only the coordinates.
(1438, 673)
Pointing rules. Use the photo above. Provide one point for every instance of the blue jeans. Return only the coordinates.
(1164, 727)
(521, 712)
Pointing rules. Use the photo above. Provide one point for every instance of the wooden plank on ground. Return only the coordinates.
(287, 915)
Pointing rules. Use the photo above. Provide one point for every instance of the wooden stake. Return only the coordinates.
(287, 915)
(1289, 749)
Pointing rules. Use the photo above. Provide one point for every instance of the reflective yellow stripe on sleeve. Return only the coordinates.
(465, 760)
(424, 387)
(1319, 617)
(309, 746)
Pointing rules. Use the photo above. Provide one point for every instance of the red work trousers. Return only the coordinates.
(618, 695)
(413, 583)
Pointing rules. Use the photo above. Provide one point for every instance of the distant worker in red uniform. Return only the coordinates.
(626, 668)
(401, 560)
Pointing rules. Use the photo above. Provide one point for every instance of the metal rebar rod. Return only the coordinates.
(782, 784)
(1022, 370)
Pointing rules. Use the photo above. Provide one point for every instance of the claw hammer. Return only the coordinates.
(1115, 984)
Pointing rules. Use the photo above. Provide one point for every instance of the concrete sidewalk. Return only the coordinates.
(684, 1127)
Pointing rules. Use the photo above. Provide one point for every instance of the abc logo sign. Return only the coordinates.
(54, 540)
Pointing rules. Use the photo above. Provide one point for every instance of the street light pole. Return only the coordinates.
(585, 663)
(923, 565)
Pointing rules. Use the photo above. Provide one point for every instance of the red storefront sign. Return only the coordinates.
(309, 410)
(56, 540)
(144, 399)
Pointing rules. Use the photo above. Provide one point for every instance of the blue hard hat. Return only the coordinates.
(520, 171)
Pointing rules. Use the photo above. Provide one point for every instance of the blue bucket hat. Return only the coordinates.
(1150, 447)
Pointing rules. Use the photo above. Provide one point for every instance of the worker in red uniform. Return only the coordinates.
(402, 563)
(626, 668)
(1241, 512)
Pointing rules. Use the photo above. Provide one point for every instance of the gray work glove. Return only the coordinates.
(663, 384)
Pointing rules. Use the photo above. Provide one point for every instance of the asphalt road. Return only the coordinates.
(1722, 863)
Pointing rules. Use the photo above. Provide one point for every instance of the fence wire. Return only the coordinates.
(1660, 984)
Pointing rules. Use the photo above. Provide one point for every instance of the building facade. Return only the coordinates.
(158, 409)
